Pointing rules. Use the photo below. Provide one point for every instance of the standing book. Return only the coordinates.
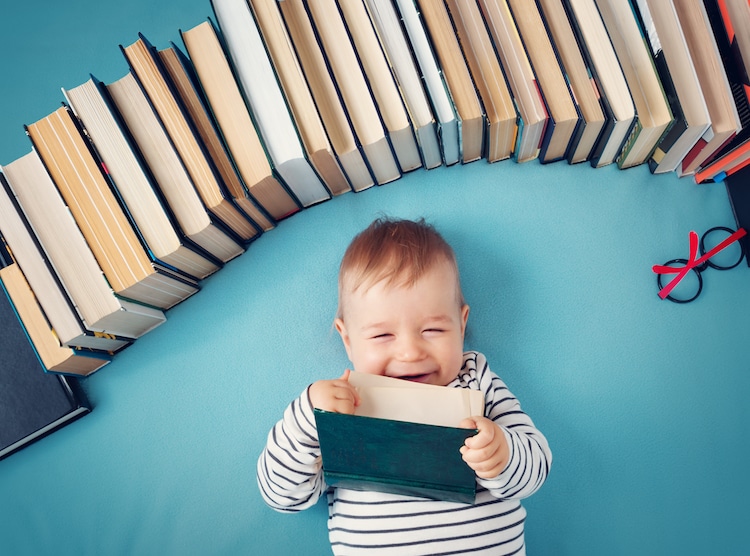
(84, 188)
(292, 81)
(578, 75)
(148, 69)
(267, 104)
(730, 21)
(738, 191)
(63, 316)
(351, 85)
(171, 177)
(187, 88)
(378, 75)
(435, 85)
(401, 59)
(54, 357)
(323, 90)
(534, 128)
(403, 438)
(71, 257)
(33, 403)
(227, 105)
(677, 73)
(489, 79)
(722, 111)
(597, 49)
(653, 116)
(132, 183)
(564, 117)
(461, 88)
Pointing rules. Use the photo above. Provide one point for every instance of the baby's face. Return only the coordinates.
(414, 333)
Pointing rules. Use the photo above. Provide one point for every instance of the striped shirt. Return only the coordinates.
(290, 479)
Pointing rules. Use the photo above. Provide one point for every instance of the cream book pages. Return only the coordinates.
(402, 400)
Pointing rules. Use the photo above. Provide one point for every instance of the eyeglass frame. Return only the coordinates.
(697, 265)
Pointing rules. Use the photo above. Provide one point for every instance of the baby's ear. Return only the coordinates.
(464, 318)
(341, 329)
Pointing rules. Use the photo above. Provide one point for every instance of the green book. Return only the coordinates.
(415, 453)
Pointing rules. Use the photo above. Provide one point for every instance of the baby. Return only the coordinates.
(402, 314)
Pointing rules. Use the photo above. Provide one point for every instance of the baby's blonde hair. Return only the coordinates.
(397, 251)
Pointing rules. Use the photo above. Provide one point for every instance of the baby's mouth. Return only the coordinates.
(422, 377)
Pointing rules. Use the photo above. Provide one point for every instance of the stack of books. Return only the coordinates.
(135, 191)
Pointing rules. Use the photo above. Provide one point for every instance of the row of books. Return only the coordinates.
(135, 191)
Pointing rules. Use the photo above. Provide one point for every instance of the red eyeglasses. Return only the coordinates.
(715, 240)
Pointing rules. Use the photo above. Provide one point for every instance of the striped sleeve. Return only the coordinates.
(530, 455)
(289, 468)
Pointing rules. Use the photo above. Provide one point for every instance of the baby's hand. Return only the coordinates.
(487, 451)
(335, 395)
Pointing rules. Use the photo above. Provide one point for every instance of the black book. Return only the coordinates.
(738, 189)
(32, 403)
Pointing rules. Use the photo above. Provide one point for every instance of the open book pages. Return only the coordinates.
(402, 400)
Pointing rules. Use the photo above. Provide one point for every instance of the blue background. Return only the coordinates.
(644, 402)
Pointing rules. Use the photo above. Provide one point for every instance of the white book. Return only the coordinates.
(433, 78)
(258, 81)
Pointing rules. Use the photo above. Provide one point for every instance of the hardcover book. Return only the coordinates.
(346, 68)
(564, 116)
(461, 89)
(63, 316)
(234, 122)
(33, 403)
(499, 108)
(535, 130)
(257, 80)
(312, 132)
(401, 59)
(653, 116)
(79, 178)
(134, 185)
(578, 75)
(403, 439)
(596, 47)
(433, 79)
(672, 60)
(323, 90)
(71, 257)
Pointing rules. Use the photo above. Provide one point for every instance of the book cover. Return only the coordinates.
(33, 403)
(403, 438)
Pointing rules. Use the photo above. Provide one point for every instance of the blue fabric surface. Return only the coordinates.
(643, 401)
